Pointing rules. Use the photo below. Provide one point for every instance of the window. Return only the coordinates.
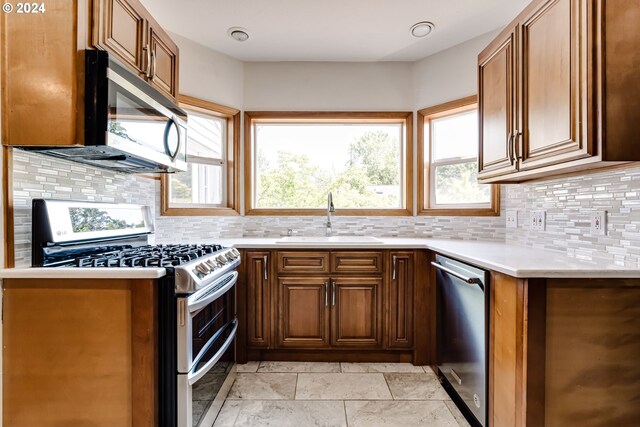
(209, 186)
(448, 162)
(292, 160)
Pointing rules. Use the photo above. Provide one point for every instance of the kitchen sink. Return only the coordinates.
(333, 240)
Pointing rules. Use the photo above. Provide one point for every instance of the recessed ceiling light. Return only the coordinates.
(422, 29)
(237, 33)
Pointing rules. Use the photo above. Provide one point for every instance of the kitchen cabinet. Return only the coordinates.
(557, 92)
(80, 352)
(356, 312)
(399, 300)
(329, 300)
(342, 308)
(126, 29)
(556, 350)
(43, 67)
(303, 312)
(257, 277)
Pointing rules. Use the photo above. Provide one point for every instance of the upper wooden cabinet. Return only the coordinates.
(43, 64)
(497, 96)
(558, 92)
(126, 29)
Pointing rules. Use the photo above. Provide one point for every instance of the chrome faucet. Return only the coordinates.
(330, 208)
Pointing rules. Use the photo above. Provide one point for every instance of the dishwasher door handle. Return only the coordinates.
(469, 280)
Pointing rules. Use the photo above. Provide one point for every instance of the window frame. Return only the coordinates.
(252, 117)
(232, 152)
(425, 204)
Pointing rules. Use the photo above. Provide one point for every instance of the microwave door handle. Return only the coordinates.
(193, 377)
(172, 122)
(197, 303)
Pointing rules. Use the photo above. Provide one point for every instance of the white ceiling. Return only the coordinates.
(331, 30)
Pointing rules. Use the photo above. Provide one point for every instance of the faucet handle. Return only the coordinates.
(289, 232)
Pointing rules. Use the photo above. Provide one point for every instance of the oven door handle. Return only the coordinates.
(203, 297)
(193, 377)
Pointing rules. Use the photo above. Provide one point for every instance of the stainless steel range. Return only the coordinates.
(197, 305)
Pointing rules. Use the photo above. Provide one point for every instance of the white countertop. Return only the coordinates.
(514, 260)
(82, 273)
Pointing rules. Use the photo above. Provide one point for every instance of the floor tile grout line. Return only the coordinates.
(344, 407)
(295, 390)
(388, 386)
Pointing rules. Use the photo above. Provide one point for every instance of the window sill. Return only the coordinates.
(199, 212)
(323, 212)
(461, 212)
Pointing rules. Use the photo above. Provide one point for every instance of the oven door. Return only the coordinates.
(207, 327)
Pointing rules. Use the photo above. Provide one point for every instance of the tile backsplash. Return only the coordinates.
(39, 176)
(568, 203)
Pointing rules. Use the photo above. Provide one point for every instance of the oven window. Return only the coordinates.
(209, 322)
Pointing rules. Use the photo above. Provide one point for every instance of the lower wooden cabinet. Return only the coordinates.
(300, 300)
(356, 312)
(258, 290)
(399, 300)
(303, 312)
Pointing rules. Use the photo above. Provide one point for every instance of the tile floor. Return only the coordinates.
(322, 394)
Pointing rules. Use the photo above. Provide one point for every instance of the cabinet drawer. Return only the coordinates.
(356, 262)
(303, 262)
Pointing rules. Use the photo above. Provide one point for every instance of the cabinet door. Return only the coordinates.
(258, 298)
(356, 313)
(399, 301)
(120, 31)
(164, 61)
(554, 96)
(496, 106)
(303, 312)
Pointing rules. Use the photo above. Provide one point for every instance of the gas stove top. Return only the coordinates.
(147, 256)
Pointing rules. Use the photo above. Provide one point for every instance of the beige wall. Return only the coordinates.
(341, 86)
(209, 75)
(450, 74)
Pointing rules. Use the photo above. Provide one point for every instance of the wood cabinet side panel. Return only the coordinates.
(42, 61)
(84, 340)
(504, 350)
(593, 343)
(620, 77)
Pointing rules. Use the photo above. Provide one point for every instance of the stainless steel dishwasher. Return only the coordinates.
(462, 331)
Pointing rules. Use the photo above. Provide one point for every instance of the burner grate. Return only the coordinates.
(147, 256)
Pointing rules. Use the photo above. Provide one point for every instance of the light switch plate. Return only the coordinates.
(599, 223)
(512, 218)
(538, 220)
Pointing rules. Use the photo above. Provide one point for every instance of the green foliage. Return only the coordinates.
(379, 156)
(458, 183)
(181, 186)
(294, 182)
(93, 219)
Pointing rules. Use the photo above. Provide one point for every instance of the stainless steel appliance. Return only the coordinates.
(197, 305)
(462, 345)
(129, 126)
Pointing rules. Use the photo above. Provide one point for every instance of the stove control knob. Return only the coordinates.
(221, 259)
(212, 265)
(202, 269)
(235, 252)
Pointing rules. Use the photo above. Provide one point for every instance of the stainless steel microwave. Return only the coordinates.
(129, 126)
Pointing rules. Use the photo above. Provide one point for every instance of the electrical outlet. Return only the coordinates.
(512, 218)
(538, 220)
(599, 223)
